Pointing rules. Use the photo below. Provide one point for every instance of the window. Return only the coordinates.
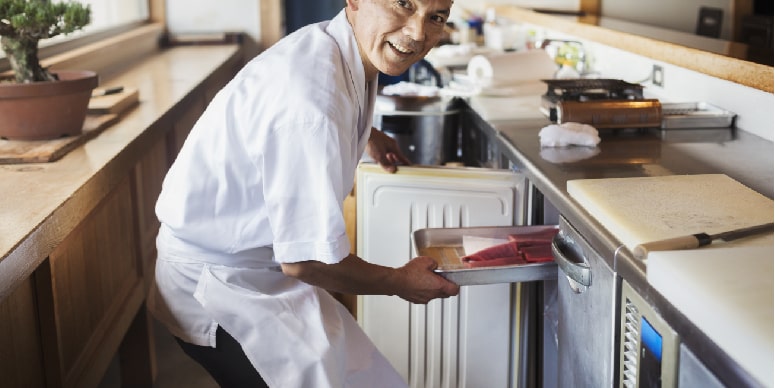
(107, 15)
(111, 13)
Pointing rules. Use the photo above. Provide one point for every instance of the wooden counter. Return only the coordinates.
(77, 235)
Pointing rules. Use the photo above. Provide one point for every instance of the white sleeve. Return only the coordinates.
(302, 171)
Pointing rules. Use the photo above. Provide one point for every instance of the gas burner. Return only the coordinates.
(593, 89)
(586, 90)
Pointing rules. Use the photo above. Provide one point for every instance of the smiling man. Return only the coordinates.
(252, 230)
(393, 35)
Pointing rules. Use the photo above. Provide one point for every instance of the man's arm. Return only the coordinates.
(385, 151)
(415, 282)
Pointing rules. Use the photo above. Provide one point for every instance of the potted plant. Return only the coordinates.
(37, 103)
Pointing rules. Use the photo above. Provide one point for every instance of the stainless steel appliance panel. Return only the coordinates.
(693, 373)
(648, 346)
(586, 314)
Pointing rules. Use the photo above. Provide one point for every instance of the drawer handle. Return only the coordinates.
(577, 272)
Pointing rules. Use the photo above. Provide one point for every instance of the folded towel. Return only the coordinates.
(565, 134)
(404, 88)
(561, 155)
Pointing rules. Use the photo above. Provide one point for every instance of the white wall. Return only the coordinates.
(754, 108)
(207, 16)
(478, 6)
(682, 15)
(195, 16)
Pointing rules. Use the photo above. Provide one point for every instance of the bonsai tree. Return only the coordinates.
(23, 23)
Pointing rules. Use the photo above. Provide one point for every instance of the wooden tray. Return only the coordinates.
(114, 103)
(42, 151)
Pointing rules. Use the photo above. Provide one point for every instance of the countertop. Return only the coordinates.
(43, 202)
(631, 153)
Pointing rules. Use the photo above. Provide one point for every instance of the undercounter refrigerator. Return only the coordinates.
(469, 340)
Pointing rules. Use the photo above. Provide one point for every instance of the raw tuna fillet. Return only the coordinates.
(534, 247)
(537, 253)
(532, 238)
(509, 249)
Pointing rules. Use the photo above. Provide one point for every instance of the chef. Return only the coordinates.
(252, 232)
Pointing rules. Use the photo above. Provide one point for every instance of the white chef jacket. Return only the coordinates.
(259, 181)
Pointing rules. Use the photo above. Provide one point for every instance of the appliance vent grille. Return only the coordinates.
(631, 349)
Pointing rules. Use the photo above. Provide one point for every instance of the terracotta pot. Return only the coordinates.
(46, 110)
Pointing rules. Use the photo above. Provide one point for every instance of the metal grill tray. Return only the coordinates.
(695, 115)
(571, 87)
(445, 245)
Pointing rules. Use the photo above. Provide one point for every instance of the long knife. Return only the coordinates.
(697, 240)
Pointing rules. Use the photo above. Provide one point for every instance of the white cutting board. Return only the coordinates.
(728, 294)
(644, 209)
(725, 289)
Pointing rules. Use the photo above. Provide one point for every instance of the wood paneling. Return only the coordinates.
(272, 22)
(95, 290)
(21, 358)
(72, 289)
(149, 175)
(590, 7)
(112, 55)
(157, 11)
(185, 121)
(740, 9)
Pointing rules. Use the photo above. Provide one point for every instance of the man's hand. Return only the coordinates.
(415, 281)
(422, 284)
(384, 150)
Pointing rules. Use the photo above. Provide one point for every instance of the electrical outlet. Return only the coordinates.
(658, 76)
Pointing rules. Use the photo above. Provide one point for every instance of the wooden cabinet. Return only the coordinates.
(76, 282)
(62, 326)
(185, 120)
(148, 177)
(89, 291)
(21, 353)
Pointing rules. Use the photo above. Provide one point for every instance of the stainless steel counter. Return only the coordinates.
(637, 153)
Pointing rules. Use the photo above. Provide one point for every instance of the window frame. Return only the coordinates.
(156, 12)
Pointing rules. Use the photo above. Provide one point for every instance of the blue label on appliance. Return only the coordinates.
(651, 339)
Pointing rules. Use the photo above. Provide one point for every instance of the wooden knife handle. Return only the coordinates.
(641, 251)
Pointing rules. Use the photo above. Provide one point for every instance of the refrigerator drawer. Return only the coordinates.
(445, 245)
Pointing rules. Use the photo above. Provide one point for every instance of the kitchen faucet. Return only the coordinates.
(567, 52)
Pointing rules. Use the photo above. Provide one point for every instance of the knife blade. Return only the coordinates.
(107, 91)
(691, 241)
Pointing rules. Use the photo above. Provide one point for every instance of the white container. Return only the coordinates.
(504, 37)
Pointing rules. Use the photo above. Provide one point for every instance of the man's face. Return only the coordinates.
(394, 34)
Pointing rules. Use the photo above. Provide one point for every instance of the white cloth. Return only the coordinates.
(404, 88)
(565, 134)
(259, 181)
(567, 154)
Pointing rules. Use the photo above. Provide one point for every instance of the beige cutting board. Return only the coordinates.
(644, 209)
(728, 294)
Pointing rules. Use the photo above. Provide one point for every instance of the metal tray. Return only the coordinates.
(695, 115)
(445, 245)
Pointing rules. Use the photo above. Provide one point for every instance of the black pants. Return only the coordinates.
(227, 362)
